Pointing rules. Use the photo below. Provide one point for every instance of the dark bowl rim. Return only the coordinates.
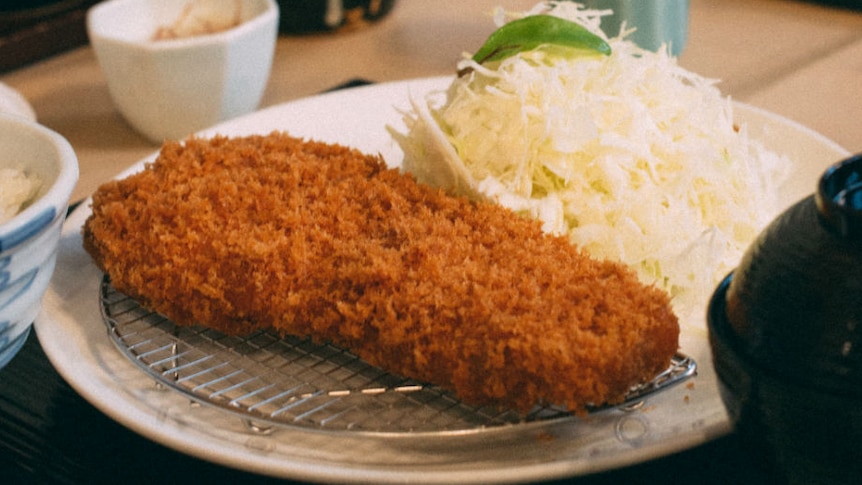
(719, 333)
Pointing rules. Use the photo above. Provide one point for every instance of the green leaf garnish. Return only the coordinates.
(528, 33)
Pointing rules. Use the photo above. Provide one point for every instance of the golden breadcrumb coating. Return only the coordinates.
(320, 240)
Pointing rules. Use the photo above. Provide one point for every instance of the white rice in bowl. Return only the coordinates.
(17, 189)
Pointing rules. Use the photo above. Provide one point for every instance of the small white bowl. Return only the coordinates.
(28, 241)
(168, 89)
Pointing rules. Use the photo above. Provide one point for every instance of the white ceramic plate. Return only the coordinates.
(74, 338)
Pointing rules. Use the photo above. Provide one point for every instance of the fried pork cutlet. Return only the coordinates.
(319, 240)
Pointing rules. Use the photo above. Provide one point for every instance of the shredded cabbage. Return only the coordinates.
(632, 156)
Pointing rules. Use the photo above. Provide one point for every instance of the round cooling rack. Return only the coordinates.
(268, 380)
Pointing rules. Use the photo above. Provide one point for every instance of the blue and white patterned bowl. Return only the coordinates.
(28, 242)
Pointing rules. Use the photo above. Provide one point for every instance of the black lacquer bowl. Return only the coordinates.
(786, 334)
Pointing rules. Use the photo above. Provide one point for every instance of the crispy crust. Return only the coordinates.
(319, 240)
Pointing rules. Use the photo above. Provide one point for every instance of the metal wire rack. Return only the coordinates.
(270, 381)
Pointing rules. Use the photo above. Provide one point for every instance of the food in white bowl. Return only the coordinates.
(17, 188)
(201, 17)
(167, 89)
(46, 170)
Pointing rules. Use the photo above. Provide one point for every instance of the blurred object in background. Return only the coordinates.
(658, 22)
(851, 4)
(314, 16)
(168, 88)
(31, 30)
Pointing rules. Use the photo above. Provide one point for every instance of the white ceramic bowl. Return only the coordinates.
(168, 89)
(11, 102)
(28, 241)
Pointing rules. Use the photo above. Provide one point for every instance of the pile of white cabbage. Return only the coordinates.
(632, 156)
